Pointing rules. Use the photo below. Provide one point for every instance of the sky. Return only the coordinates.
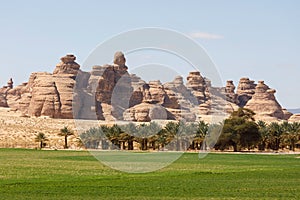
(258, 39)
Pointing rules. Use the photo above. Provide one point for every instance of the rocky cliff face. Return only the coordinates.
(110, 93)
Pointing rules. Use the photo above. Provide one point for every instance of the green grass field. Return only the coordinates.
(34, 174)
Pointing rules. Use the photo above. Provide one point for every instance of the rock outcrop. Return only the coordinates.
(3, 101)
(113, 89)
(286, 114)
(46, 94)
(245, 91)
(6, 98)
(196, 83)
(145, 112)
(229, 92)
(263, 102)
(67, 65)
(110, 93)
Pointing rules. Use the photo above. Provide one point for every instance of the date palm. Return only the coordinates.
(201, 131)
(113, 134)
(291, 133)
(129, 135)
(41, 138)
(264, 135)
(65, 132)
(276, 131)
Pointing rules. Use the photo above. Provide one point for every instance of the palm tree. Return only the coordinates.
(179, 135)
(291, 134)
(201, 131)
(94, 137)
(129, 134)
(65, 132)
(264, 135)
(276, 131)
(41, 138)
(113, 134)
(171, 129)
(142, 136)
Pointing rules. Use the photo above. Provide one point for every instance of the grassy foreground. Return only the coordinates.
(32, 174)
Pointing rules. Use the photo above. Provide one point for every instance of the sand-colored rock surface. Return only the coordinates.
(263, 102)
(295, 118)
(110, 93)
(231, 96)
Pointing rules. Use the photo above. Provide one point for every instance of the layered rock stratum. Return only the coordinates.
(110, 93)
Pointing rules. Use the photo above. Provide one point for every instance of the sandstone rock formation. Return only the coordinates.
(229, 91)
(110, 93)
(114, 88)
(245, 91)
(10, 83)
(67, 65)
(263, 102)
(286, 114)
(196, 83)
(7, 95)
(145, 112)
(46, 94)
(3, 101)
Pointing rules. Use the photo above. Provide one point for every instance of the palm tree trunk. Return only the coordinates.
(235, 147)
(66, 142)
(293, 145)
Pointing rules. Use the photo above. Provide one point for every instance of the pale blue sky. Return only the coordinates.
(258, 38)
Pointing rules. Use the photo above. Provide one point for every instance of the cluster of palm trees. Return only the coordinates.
(42, 139)
(277, 136)
(239, 132)
(178, 136)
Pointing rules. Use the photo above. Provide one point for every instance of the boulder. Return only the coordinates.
(145, 112)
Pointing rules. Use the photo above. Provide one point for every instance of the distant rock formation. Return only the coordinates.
(229, 91)
(4, 91)
(10, 83)
(196, 83)
(264, 104)
(67, 65)
(46, 94)
(110, 93)
(245, 91)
